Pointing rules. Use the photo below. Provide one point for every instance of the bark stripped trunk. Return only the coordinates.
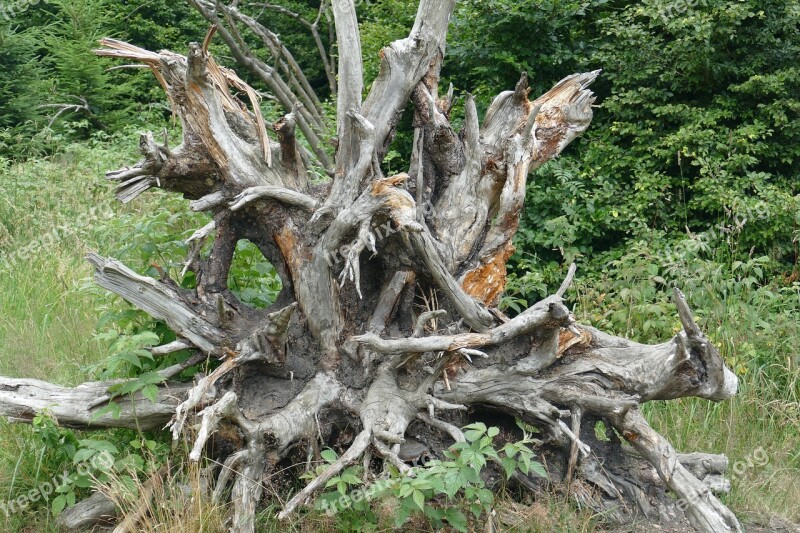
(347, 337)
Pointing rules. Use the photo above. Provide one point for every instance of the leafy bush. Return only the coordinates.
(119, 454)
(443, 492)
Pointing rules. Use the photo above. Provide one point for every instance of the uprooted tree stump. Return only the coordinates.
(387, 318)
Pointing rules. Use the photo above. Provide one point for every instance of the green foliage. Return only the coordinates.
(253, 279)
(22, 82)
(697, 119)
(710, 123)
(446, 492)
(748, 316)
(686, 177)
(160, 24)
(486, 54)
(120, 455)
(129, 356)
(381, 23)
(54, 89)
(155, 243)
(80, 76)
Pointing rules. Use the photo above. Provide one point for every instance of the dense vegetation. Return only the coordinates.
(688, 176)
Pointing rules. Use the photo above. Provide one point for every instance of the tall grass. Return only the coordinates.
(48, 220)
(52, 212)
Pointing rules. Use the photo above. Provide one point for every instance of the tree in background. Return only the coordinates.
(22, 84)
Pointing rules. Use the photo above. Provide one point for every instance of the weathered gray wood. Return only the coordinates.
(171, 347)
(281, 194)
(313, 27)
(470, 310)
(96, 510)
(350, 89)
(705, 512)
(550, 311)
(623, 374)
(708, 468)
(22, 399)
(159, 300)
(403, 65)
(264, 72)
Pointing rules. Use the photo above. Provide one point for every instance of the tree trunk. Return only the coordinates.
(407, 335)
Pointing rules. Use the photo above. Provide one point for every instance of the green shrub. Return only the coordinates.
(449, 492)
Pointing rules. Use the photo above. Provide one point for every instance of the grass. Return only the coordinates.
(53, 211)
(45, 228)
(761, 438)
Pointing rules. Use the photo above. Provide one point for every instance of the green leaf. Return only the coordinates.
(350, 478)
(456, 519)
(467, 475)
(143, 354)
(474, 432)
(126, 387)
(151, 378)
(99, 445)
(476, 509)
(435, 514)
(150, 392)
(83, 482)
(405, 510)
(509, 466)
(468, 456)
(538, 468)
(477, 426)
(486, 497)
(129, 358)
(419, 499)
(405, 490)
(130, 484)
(58, 504)
(328, 455)
(82, 455)
(437, 484)
(491, 453)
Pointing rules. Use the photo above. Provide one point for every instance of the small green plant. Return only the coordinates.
(87, 463)
(129, 357)
(128, 353)
(445, 492)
